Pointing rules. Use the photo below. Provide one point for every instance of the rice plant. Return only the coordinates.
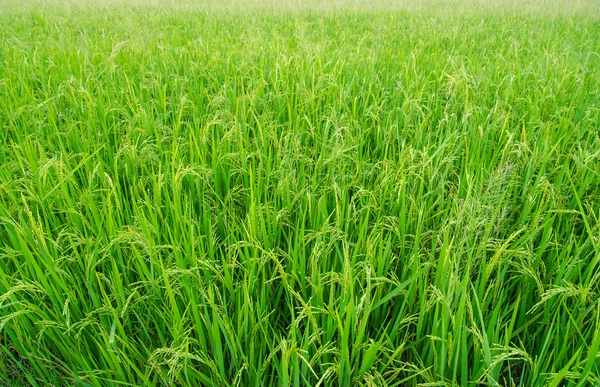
(197, 193)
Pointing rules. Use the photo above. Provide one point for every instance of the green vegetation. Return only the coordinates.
(358, 195)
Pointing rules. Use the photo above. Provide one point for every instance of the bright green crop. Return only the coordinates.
(334, 193)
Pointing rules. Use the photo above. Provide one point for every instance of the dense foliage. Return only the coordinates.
(196, 195)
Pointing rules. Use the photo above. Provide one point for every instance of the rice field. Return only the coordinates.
(248, 193)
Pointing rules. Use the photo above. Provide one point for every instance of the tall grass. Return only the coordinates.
(200, 196)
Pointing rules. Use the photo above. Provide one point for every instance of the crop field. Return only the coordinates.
(255, 193)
